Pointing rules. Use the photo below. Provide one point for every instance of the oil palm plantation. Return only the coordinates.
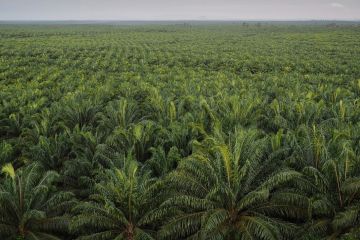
(30, 208)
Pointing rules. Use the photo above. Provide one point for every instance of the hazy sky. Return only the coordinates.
(173, 10)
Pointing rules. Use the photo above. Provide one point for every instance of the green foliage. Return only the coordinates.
(180, 131)
(121, 207)
(31, 208)
(226, 191)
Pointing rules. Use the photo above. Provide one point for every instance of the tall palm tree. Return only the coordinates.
(29, 207)
(226, 190)
(121, 207)
(335, 199)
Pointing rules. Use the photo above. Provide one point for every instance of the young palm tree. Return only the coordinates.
(29, 208)
(227, 191)
(121, 207)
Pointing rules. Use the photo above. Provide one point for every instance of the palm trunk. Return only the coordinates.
(130, 232)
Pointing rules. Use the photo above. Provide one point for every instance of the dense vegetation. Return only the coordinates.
(229, 131)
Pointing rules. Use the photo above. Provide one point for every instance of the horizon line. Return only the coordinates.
(195, 19)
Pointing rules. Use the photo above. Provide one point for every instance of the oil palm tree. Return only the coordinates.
(138, 138)
(121, 207)
(335, 201)
(29, 206)
(161, 163)
(225, 190)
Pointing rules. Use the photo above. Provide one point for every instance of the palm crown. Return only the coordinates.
(121, 207)
(225, 191)
(30, 209)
